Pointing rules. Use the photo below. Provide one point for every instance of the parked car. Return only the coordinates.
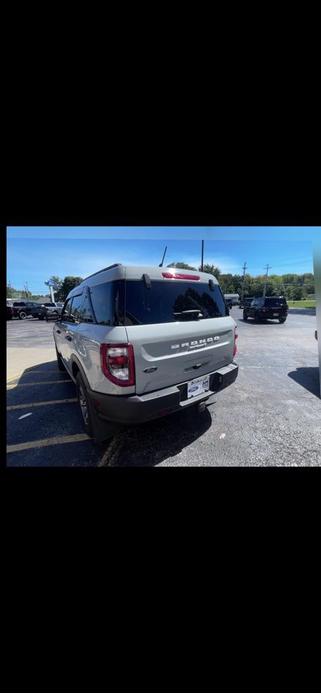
(143, 342)
(232, 299)
(9, 311)
(50, 310)
(262, 308)
(22, 309)
(246, 302)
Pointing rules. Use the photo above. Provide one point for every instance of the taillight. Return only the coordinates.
(235, 347)
(118, 363)
(179, 276)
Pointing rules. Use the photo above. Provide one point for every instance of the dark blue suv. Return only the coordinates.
(261, 308)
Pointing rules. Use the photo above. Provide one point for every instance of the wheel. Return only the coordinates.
(22, 315)
(60, 363)
(245, 316)
(84, 404)
(282, 320)
(39, 317)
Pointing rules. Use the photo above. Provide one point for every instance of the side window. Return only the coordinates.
(102, 300)
(75, 313)
(66, 310)
(86, 310)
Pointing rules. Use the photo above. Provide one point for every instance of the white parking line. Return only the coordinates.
(40, 404)
(41, 443)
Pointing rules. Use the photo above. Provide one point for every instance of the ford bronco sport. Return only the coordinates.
(262, 308)
(142, 342)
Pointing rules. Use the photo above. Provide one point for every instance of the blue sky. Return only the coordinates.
(36, 253)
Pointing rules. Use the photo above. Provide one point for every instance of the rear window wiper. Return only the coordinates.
(192, 310)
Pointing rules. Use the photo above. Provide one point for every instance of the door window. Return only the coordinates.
(75, 313)
(66, 311)
(86, 310)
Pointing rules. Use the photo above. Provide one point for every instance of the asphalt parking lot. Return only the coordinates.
(271, 415)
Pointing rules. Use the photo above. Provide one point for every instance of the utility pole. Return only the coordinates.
(52, 296)
(202, 258)
(242, 292)
(268, 267)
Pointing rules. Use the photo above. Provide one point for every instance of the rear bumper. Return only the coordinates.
(137, 409)
(266, 314)
(274, 314)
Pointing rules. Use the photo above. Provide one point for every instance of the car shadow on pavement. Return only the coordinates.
(308, 377)
(261, 321)
(44, 423)
(161, 439)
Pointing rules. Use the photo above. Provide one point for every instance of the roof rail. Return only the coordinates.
(103, 270)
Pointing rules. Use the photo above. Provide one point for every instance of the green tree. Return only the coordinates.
(67, 285)
(182, 266)
(212, 270)
(226, 283)
(296, 293)
(10, 291)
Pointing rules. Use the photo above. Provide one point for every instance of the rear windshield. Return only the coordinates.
(132, 303)
(274, 301)
(167, 302)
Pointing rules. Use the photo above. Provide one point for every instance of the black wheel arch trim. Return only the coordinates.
(75, 360)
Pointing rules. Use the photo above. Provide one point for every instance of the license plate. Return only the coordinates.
(275, 314)
(198, 386)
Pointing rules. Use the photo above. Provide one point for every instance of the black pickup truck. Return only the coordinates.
(261, 308)
(22, 309)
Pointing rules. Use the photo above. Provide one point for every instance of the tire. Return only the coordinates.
(60, 363)
(84, 405)
(22, 315)
(245, 316)
(282, 320)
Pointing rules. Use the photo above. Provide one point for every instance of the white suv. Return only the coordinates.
(141, 342)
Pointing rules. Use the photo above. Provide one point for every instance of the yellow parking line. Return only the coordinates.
(13, 379)
(40, 404)
(55, 440)
(28, 372)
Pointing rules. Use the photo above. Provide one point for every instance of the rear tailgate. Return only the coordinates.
(171, 353)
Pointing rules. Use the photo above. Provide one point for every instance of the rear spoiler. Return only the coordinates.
(168, 275)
